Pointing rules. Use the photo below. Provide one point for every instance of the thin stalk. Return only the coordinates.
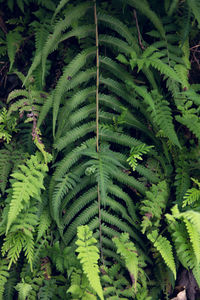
(97, 80)
(97, 125)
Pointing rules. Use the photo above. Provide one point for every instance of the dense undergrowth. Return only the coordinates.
(99, 157)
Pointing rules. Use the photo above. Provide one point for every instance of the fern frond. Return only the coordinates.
(145, 9)
(76, 207)
(182, 179)
(89, 256)
(191, 121)
(48, 290)
(129, 181)
(61, 4)
(52, 41)
(68, 161)
(79, 32)
(44, 223)
(186, 236)
(75, 134)
(194, 5)
(5, 168)
(16, 93)
(113, 67)
(117, 43)
(194, 238)
(13, 39)
(162, 68)
(163, 118)
(116, 25)
(62, 187)
(136, 153)
(10, 285)
(119, 193)
(118, 138)
(129, 253)
(13, 244)
(71, 70)
(192, 195)
(28, 183)
(23, 289)
(4, 274)
(83, 218)
(153, 207)
(164, 247)
(172, 7)
(114, 220)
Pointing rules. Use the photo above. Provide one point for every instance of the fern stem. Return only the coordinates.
(97, 124)
(97, 80)
(138, 30)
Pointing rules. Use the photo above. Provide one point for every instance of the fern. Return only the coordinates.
(24, 290)
(3, 276)
(136, 154)
(62, 187)
(154, 205)
(194, 5)
(88, 255)
(165, 249)
(59, 7)
(129, 253)
(13, 39)
(53, 39)
(28, 183)
(10, 157)
(192, 195)
(185, 232)
(101, 86)
(10, 285)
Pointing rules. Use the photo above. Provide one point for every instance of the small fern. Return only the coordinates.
(27, 183)
(153, 207)
(24, 290)
(4, 274)
(192, 195)
(164, 247)
(89, 255)
(136, 153)
(129, 253)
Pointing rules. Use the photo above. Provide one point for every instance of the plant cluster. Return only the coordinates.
(100, 157)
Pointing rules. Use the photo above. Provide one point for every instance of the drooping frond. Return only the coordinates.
(89, 256)
(129, 253)
(165, 249)
(154, 205)
(27, 183)
(53, 39)
(194, 5)
(145, 9)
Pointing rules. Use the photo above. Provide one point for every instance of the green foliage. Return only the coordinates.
(3, 276)
(24, 290)
(110, 89)
(89, 256)
(27, 183)
(136, 153)
(153, 206)
(192, 195)
(129, 254)
(7, 125)
(165, 249)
